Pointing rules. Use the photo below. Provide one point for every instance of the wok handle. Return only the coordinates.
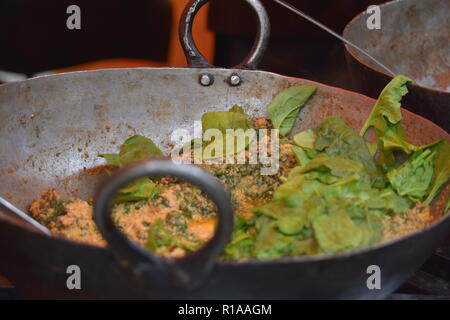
(185, 272)
(193, 56)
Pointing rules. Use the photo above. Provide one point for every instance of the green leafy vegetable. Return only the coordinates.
(286, 105)
(337, 167)
(288, 214)
(224, 120)
(336, 138)
(234, 119)
(424, 173)
(269, 243)
(332, 202)
(414, 176)
(387, 108)
(160, 237)
(301, 155)
(394, 138)
(337, 196)
(237, 109)
(242, 240)
(133, 149)
(385, 118)
(337, 232)
(140, 189)
(305, 139)
(441, 168)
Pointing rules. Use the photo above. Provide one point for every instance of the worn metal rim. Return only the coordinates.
(359, 60)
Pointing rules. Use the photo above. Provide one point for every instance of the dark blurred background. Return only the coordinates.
(34, 37)
(297, 47)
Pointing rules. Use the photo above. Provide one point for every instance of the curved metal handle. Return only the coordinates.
(185, 272)
(193, 56)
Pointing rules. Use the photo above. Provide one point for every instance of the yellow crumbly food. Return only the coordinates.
(415, 219)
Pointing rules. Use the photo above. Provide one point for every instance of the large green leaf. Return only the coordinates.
(385, 117)
(413, 177)
(235, 119)
(394, 138)
(335, 138)
(286, 105)
(441, 168)
(387, 108)
(160, 236)
(133, 149)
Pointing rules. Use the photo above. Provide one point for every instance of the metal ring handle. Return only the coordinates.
(188, 271)
(193, 56)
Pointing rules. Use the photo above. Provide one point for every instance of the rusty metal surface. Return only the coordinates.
(52, 129)
(414, 40)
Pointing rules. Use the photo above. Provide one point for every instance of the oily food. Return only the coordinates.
(334, 191)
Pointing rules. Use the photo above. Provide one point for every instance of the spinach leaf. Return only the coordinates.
(387, 108)
(269, 243)
(241, 245)
(394, 138)
(441, 168)
(158, 236)
(303, 148)
(140, 189)
(286, 105)
(385, 118)
(234, 119)
(305, 139)
(427, 170)
(338, 167)
(337, 232)
(326, 205)
(335, 138)
(413, 177)
(236, 108)
(302, 155)
(135, 148)
(288, 214)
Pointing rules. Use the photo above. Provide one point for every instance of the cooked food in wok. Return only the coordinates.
(334, 189)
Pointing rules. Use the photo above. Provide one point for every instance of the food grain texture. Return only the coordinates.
(186, 212)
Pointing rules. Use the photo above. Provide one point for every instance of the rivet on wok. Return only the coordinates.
(234, 80)
(206, 79)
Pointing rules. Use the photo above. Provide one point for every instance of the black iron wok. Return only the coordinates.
(53, 127)
(414, 40)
